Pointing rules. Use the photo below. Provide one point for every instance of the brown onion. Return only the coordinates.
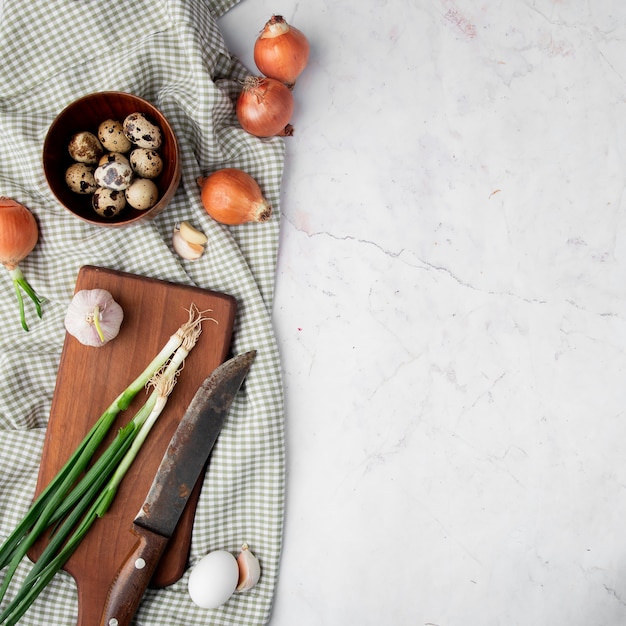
(231, 196)
(19, 234)
(281, 51)
(264, 107)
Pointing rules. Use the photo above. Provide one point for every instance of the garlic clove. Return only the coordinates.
(249, 569)
(191, 234)
(186, 249)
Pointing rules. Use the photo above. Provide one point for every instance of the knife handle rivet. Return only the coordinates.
(113, 621)
(139, 564)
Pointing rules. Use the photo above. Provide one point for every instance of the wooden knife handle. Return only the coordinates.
(132, 579)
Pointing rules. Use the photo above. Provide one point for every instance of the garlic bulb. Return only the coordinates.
(249, 569)
(93, 317)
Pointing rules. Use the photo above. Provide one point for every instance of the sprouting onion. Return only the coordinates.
(74, 504)
(19, 234)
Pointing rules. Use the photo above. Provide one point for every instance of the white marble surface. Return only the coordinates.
(451, 312)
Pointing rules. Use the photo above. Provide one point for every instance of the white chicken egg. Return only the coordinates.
(213, 579)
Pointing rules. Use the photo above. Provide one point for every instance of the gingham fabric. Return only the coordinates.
(172, 53)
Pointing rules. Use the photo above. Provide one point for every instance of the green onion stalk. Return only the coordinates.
(19, 282)
(68, 501)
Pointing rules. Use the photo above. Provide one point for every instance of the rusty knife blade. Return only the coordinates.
(190, 447)
(180, 468)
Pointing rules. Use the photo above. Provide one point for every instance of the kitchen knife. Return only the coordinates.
(182, 464)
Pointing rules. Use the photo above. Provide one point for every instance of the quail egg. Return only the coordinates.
(85, 147)
(146, 163)
(112, 137)
(142, 194)
(118, 157)
(114, 174)
(79, 178)
(141, 131)
(108, 202)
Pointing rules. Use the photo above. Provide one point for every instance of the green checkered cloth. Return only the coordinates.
(171, 53)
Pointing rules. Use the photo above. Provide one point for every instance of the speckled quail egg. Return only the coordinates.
(85, 147)
(112, 137)
(113, 156)
(141, 131)
(114, 174)
(108, 202)
(146, 163)
(142, 194)
(79, 178)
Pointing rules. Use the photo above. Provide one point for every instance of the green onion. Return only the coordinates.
(19, 282)
(64, 497)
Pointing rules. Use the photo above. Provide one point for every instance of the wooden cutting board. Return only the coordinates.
(89, 379)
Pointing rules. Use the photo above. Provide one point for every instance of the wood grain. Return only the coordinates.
(89, 379)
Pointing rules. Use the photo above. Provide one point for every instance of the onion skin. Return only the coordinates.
(281, 51)
(18, 232)
(232, 197)
(264, 107)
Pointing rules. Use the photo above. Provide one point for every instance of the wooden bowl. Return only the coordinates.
(86, 114)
